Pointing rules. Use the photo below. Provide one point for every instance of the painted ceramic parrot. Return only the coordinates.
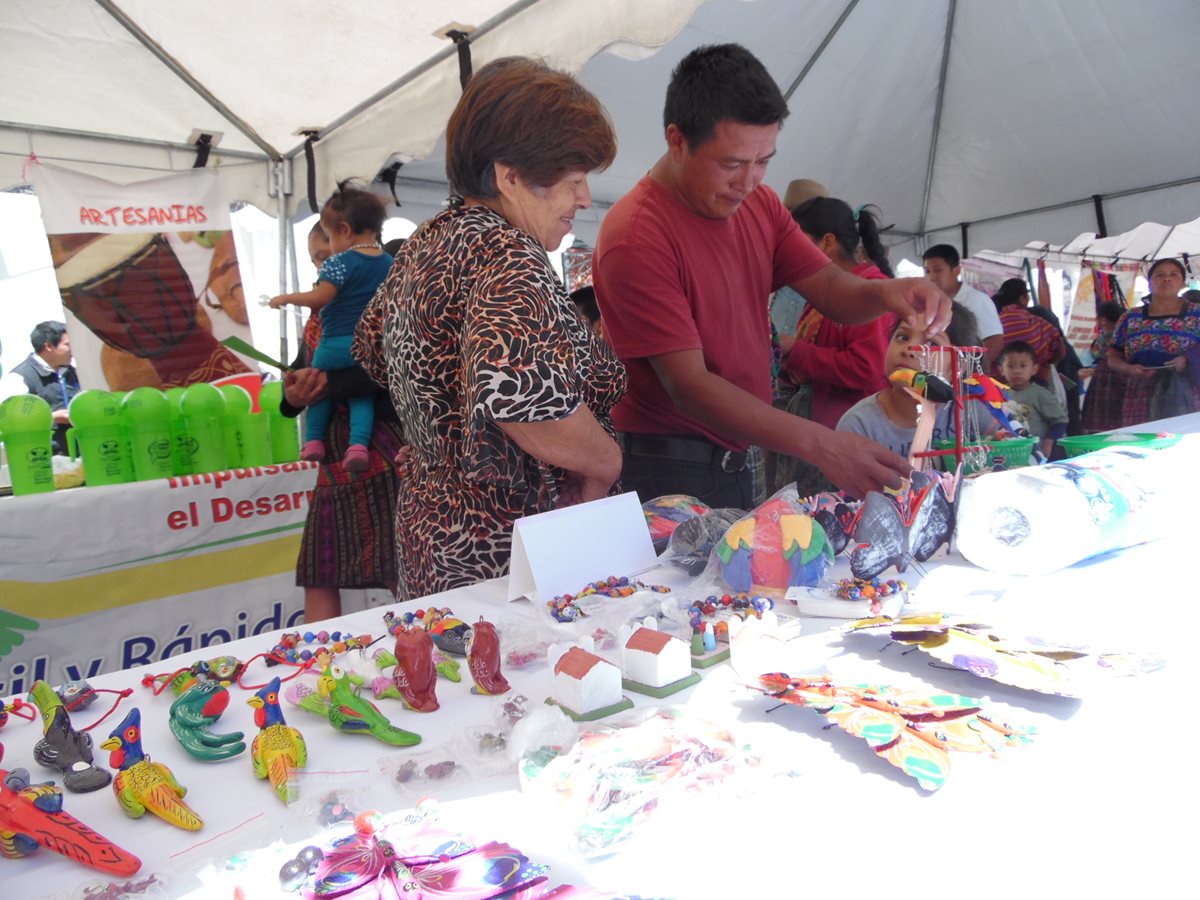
(337, 699)
(483, 659)
(143, 785)
(31, 816)
(993, 395)
(774, 548)
(198, 704)
(278, 750)
(924, 384)
(62, 747)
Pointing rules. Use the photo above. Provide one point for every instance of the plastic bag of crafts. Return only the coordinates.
(692, 542)
(616, 776)
(664, 514)
(773, 547)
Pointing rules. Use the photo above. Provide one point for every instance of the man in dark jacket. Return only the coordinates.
(48, 373)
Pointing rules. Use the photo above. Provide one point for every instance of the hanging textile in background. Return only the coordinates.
(149, 277)
(987, 276)
(1097, 283)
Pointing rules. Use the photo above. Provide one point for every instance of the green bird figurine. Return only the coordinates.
(337, 699)
(198, 704)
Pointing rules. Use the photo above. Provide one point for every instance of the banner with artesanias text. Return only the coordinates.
(149, 277)
(106, 578)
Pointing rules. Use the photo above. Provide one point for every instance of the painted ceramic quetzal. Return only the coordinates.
(278, 750)
(338, 701)
(143, 785)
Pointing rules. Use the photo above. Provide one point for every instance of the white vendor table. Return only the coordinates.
(1097, 806)
(99, 579)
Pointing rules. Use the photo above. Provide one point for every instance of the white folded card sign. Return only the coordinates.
(558, 552)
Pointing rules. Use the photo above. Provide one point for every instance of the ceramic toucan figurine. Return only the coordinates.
(338, 701)
(278, 750)
(143, 785)
(31, 816)
(483, 659)
(62, 747)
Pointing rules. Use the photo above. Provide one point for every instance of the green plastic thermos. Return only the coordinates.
(247, 433)
(96, 435)
(285, 432)
(26, 424)
(181, 442)
(146, 415)
(203, 408)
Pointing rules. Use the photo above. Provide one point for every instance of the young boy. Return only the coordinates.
(890, 416)
(1041, 411)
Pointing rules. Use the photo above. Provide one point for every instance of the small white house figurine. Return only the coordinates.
(583, 684)
(654, 662)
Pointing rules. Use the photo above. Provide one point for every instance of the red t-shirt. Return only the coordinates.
(844, 363)
(668, 279)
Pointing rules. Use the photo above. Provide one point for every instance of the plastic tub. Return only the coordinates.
(1087, 443)
(1007, 454)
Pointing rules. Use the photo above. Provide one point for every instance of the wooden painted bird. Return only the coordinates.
(31, 816)
(62, 747)
(198, 704)
(143, 785)
(278, 750)
(337, 699)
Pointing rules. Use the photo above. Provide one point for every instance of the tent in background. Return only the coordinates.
(1011, 117)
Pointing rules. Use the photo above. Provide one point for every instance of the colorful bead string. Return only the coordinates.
(292, 647)
(861, 589)
(739, 604)
(433, 620)
(873, 590)
(566, 608)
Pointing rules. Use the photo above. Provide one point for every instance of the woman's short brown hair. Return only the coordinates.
(522, 113)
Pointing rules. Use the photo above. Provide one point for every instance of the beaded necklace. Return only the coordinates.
(740, 604)
(373, 245)
(291, 648)
(566, 608)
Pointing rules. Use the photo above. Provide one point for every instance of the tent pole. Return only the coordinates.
(1101, 228)
(825, 42)
(937, 113)
(282, 222)
(187, 77)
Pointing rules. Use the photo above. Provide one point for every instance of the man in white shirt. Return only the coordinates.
(943, 267)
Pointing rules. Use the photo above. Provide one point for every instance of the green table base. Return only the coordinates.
(666, 690)
(620, 706)
(711, 658)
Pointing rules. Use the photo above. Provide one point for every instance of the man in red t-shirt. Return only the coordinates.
(683, 269)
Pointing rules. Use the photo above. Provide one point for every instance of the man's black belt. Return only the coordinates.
(684, 449)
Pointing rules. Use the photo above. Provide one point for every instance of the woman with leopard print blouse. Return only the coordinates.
(504, 390)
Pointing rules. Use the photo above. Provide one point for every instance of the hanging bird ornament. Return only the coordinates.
(143, 785)
(278, 750)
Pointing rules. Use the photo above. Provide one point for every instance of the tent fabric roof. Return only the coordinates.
(1007, 115)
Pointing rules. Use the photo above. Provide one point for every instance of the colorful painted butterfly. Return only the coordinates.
(1031, 663)
(913, 731)
(453, 869)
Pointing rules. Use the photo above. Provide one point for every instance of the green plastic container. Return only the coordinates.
(25, 425)
(96, 435)
(285, 434)
(181, 444)
(247, 433)
(146, 415)
(1087, 443)
(203, 408)
(1009, 454)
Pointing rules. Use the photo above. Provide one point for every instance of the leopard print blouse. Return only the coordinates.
(472, 328)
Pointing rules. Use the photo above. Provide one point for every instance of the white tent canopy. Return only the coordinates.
(1011, 116)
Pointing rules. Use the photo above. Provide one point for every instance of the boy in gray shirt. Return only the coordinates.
(1043, 414)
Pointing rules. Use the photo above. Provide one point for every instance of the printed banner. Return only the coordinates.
(1081, 327)
(106, 578)
(149, 277)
